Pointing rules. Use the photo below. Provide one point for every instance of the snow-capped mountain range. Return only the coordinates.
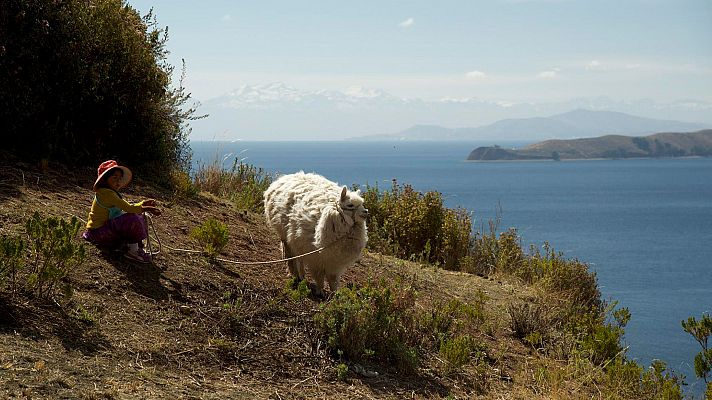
(277, 111)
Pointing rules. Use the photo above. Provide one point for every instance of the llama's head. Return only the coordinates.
(351, 203)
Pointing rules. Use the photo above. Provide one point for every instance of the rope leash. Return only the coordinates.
(152, 226)
(149, 221)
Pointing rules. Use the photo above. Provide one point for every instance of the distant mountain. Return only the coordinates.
(611, 146)
(279, 111)
(572, 124)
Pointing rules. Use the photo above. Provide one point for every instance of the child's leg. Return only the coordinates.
(130, 227)
(103, 237)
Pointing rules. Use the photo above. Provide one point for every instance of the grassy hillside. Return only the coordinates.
(190, 327)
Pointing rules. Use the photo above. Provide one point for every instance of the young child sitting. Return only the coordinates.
(114, 222)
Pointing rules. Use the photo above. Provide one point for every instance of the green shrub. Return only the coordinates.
(297, 290)
(376, 323)
(413, 225)
(380, 323)
(183, 185)
(342, 372)
(569, 278)
(701, 330)
(84, 315)
(598, 333)
(243, 184)
(55, 251)
(86, 80)
(528, 321)
(231, 315)
(445, 319)
(628, 380)
(456, 231)
(11, 259)
(491, 253)
(212, 236)
(457, 351)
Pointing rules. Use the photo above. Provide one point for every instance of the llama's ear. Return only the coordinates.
(343, 193)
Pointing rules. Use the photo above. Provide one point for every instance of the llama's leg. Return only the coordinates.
(291, 264)
(333, 280)
(318, 275)
(299, 262)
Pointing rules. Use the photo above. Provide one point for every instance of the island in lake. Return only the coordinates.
(667, 144)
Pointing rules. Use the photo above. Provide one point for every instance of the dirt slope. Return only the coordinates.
(167, 330)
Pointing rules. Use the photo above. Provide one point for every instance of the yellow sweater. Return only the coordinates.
(104, 200)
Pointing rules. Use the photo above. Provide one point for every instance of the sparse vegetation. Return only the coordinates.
(379, 323)
(376, 323)
(457, 352)
(212, 236)
(243, 184)
(701, 330)
(567, 319)
(342, 371)
(297, 290)
(416, 226)
(55, 252)
(11, 259)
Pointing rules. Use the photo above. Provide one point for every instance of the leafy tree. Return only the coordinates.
(86, 80)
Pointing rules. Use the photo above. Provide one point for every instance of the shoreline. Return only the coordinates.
(586, 159)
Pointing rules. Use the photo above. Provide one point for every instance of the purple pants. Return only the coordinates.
(126, 228)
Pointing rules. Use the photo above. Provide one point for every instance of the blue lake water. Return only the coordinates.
(644, 226)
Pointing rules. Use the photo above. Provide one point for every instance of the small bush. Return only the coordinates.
(628, 380)
(380, 323)
(243, 184)
(297, 291)
(231, 316)
(491, 253)
(183, 185)
(412, 225)
(84, 315)
(569, 278)
(444, 320)
(376, 323)
(11, 259)
(701, 330)
(457, 351)
(212, 236)
(342, 372)
(55, 251)
(598, 333)
(528, 321)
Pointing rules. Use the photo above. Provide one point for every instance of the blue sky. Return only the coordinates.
(517, 50)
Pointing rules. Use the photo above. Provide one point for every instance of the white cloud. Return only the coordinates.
(593, 65)
(226, 18)
(632, 66)
(407, 23)
(476, 76)
(553, 73)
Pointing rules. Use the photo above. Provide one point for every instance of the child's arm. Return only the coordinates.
(109, 198)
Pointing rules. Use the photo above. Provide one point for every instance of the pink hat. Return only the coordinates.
(107, 166)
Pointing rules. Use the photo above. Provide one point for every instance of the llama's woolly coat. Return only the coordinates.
(309, 211)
